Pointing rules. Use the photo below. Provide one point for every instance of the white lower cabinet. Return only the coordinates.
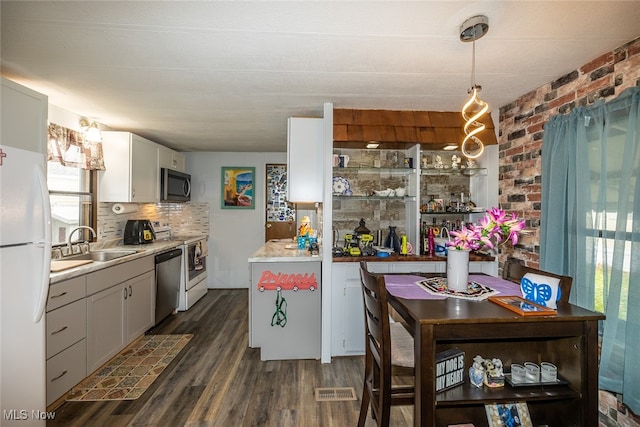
(66, 332)
(140, 305)
(421, 267)
(90, 318)
(347, 309)
(105, 325)
(65, 370)
(66, 326)
(118, 315)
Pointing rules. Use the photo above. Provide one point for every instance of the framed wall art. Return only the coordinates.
(238, 184)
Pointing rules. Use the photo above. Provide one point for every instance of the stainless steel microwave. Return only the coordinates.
(174, 186)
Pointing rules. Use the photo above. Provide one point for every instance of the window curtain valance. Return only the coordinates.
(70, 148)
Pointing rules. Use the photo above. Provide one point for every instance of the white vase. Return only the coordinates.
(457, 270)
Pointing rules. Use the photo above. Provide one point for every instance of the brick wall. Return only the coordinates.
(521, 129)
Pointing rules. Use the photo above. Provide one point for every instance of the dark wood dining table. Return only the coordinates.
(438, 323)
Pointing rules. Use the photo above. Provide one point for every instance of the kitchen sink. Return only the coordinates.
(101, 255)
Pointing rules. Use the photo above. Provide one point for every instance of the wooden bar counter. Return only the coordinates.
(408, 258)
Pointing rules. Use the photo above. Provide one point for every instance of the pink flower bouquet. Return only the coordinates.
(495, 228)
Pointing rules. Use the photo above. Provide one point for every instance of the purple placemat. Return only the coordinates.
(404, 286)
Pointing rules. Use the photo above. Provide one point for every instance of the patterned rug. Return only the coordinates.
(132, 371)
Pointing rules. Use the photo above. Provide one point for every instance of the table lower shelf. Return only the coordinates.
(467, 394)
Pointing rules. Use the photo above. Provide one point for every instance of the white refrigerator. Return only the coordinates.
(25, 255)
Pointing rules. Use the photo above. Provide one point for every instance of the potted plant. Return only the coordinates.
(496, 228)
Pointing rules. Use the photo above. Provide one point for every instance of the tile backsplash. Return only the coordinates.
(183, 218)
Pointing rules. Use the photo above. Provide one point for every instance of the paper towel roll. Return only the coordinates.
(121, 208)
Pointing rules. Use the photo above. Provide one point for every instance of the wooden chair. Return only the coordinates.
(389, 352)
(514, 270)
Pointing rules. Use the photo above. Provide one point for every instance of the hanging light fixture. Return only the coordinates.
(91, 131)
(472, 147)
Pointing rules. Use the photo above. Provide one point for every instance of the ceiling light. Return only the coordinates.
(472, 147)
(91, 131)
(84, 124)
(450, 147)
(373, 144)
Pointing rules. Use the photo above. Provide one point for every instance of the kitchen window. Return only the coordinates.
(72, 201)
(71, 178)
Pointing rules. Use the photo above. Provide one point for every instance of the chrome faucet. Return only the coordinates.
(69, 247)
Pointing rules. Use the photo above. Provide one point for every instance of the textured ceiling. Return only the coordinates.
(224, 76)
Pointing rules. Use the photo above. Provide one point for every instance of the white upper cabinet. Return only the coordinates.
(304, 159)
(170, 159)
(132, 173)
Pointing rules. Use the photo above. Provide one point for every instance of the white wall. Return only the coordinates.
(234, 234)
(68, 119)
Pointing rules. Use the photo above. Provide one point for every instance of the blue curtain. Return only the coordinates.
(591, 197)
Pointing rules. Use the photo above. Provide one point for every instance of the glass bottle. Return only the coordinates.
(432, 206)
(392, 241)
(452, 203)
(431, 243)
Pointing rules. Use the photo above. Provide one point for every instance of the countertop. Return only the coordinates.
(284, 250)
(473, 257)
(147, 249)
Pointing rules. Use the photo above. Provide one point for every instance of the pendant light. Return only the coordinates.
(472, 147)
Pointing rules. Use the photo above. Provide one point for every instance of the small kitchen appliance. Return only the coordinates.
(138, 231)
(174, 186)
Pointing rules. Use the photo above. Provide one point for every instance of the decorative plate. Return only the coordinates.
(341, 185)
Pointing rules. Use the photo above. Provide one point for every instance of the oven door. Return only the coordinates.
(196, 262)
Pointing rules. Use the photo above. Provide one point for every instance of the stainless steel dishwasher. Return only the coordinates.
(168, 267)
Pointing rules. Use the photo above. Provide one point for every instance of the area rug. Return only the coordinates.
(128, 374)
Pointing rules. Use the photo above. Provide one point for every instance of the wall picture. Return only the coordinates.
(238, 185)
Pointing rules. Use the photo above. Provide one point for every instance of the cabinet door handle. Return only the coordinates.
(130, 290)
(125, 293)
(59, 376)
(59, 330)
(59, 295)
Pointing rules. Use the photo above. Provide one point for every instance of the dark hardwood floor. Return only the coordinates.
(217, 380)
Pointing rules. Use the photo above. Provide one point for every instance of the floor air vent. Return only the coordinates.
(335, 394)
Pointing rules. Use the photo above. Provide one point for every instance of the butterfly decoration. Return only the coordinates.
(540, 293)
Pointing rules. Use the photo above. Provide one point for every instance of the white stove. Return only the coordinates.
(193, 278)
